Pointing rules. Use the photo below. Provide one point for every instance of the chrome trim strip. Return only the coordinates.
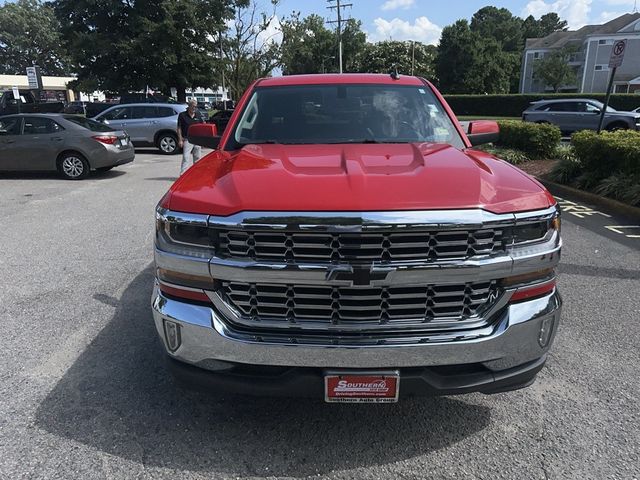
(362, 221)
(181, 263)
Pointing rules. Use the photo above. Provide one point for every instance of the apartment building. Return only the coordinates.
(592, 45)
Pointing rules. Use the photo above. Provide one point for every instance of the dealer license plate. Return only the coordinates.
(367, 387)
(124, 142)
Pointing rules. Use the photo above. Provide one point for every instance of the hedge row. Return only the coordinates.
(607, 164)
(513, 105)
(538, 140)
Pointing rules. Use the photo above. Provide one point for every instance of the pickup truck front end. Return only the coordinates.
(327, 296)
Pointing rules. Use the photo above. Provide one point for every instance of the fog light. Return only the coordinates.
(172, 335)
(545, 331)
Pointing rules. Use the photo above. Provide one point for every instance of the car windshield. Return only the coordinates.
(326, 114)
(88, 124)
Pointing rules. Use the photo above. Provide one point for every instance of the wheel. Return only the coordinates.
(73, 166)
(617, 126)
(104, 169)
(167, 143)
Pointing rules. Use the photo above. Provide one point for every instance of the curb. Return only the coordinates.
(613, 206)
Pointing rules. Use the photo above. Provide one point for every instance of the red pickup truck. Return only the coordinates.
(345, 241)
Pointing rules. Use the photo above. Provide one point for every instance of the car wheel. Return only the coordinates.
(167, 143)
(73, 166)
(617, 126)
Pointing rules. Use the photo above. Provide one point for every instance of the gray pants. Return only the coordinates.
(189, 149)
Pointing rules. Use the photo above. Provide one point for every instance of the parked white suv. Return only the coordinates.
(148, 124)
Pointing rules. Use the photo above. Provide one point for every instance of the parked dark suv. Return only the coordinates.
(579, 114)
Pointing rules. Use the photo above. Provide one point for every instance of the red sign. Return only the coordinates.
(362, 388)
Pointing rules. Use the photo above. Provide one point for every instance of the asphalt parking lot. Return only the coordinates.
(85, 393)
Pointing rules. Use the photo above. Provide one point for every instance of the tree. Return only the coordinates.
(546, 25)
(380, 57)
(554, 70)
(458, 57)
(499, 24)
(127, 45)
(251, 50)
(308, 46)
(30, 32)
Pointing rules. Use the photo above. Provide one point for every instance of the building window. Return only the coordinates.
(536, 55)
(605, 42)
(602, 68)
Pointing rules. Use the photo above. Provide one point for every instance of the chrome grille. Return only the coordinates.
(358, 247)
(281, 305)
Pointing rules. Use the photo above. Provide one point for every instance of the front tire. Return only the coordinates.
(167, 143)
(73, 166)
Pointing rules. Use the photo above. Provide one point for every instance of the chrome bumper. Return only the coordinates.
(512, 338)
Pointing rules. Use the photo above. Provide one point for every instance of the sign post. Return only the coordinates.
(617, 56)
(16, 95)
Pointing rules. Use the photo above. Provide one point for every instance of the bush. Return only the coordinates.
(515, 157)
(566, 170)
(536, 140)
(514, 104)
(609, 152)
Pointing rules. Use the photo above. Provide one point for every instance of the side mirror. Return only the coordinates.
(480, 132)
(204, 134)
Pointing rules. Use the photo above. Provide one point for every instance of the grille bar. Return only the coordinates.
(363, 247)
(323, 307)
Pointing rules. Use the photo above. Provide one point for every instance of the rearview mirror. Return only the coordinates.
(204, 134)
(480, 132)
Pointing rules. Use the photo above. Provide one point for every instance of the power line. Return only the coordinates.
(338, 7)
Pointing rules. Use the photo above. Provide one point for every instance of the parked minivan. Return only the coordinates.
(147, 124)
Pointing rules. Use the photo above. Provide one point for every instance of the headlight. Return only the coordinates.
(531, 233)
(183, 234)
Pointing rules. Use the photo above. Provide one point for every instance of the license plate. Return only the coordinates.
(366, 387)
(124, 142)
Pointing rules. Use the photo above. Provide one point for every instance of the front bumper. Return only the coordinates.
(510, 346)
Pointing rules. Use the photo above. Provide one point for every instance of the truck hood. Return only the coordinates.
(354, 177)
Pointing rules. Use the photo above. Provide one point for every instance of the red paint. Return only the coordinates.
(361, 386)
(355, 177)
(203, 130)
(527, 293)
(483, 126)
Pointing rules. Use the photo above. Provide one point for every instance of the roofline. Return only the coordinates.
(339, 78)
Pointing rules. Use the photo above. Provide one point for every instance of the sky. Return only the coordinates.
(422, 20)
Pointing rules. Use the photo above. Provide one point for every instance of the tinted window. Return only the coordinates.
(563, 107)
(88, 124)
(39, 126)
(144, 112)
(345, 114)
(120, 113)
(10, 126)
(166, 112)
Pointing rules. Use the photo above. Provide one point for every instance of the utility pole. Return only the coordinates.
(339, 7)
(413, 55)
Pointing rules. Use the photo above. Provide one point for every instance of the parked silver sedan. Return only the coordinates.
(148, 124)
(579, 114)
(71, 144)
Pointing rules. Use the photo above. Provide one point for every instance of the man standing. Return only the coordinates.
(187, 118)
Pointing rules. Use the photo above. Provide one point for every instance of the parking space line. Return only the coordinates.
(621, 230)
(580, 211)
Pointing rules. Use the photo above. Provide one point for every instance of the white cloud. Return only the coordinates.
(630, 3)
(422, 30)
(575, 12)
(273, 32)
(396, 4)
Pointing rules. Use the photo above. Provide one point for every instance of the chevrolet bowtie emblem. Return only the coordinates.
(357, 275)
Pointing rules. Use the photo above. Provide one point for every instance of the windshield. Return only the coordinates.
(325, 114)
(88, 124)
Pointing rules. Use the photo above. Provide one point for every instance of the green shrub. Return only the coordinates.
(515, 157)
(609, 152)
(536, 140)
(513, 105)
(566, 170)
(621, 187)
(565, 152)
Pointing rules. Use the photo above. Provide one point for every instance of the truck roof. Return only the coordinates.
(338, 78)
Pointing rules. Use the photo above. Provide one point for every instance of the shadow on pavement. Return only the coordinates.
(170, 179)
(118, 398)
